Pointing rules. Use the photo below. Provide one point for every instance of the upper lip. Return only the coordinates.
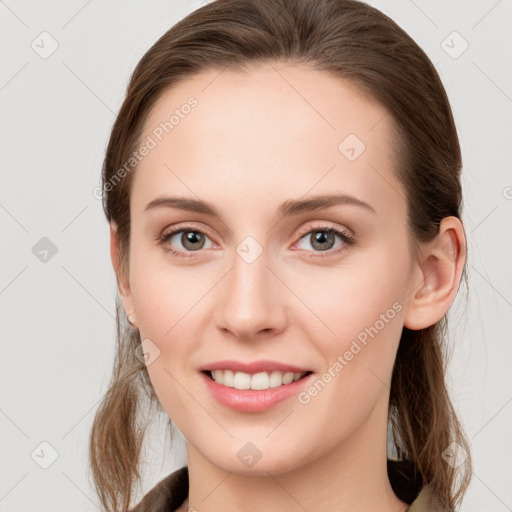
(254, 367)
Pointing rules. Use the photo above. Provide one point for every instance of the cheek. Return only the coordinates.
(344, 302)
(358, 312)
(167, 301)
(162, 293)
(365, 320)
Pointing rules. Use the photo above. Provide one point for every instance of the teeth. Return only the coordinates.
(259, 381)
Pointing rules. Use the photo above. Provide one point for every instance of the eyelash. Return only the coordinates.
(345, 237)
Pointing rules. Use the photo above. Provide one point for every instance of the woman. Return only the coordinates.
(283, 188)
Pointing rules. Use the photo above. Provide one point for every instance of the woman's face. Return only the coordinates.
(260, 285)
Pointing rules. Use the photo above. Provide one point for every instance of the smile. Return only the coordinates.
(263, 396)
(256, 381)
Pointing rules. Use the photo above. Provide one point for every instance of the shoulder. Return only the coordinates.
(167, 495)
(426, 502)
(408, 485)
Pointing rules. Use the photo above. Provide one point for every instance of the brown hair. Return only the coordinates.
(356, 42)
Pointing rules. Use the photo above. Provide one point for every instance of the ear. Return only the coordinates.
(436, 279)
(123, 284)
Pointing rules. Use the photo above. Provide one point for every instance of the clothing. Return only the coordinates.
(170, 493)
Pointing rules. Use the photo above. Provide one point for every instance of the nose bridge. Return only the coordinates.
(251, 301)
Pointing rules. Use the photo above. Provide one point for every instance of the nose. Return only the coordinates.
(252, 300)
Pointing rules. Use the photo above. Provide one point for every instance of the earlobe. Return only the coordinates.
(132, 321)
(438, 276)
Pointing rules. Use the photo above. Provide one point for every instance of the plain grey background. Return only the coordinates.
(64, 70)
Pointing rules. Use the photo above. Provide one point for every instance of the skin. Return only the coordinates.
(253, 142)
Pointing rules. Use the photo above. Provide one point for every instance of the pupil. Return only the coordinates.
(191, 237)
(323, 237)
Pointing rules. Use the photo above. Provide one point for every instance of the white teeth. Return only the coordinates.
(218, 376)
(242, 381)
(259, 381)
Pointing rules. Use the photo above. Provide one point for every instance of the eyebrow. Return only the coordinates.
(287, 209)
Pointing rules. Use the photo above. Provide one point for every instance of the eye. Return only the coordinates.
(190, 237)
(323, 238)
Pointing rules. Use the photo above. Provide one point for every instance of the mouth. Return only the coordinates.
(256, 381)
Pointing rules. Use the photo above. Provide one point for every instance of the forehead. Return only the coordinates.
(274, 131)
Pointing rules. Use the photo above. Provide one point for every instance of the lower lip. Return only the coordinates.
(252, 400)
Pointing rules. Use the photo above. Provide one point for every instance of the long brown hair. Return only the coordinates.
(354, 41)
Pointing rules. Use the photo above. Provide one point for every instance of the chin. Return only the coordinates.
(275, 465)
